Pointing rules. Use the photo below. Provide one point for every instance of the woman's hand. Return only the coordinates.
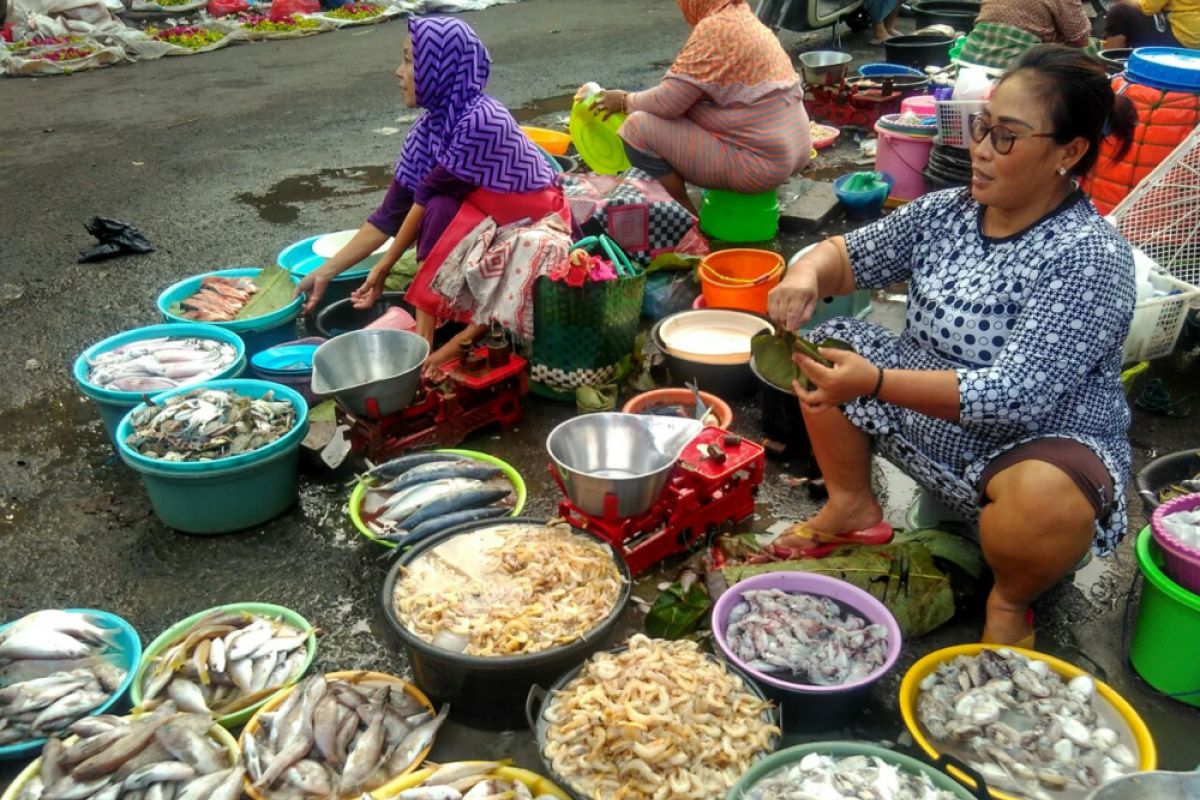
(612, 102)
(368, 294)
(792, 302)
(850, 377)
(313, 285)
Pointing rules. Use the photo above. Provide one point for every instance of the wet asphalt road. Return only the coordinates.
(224, 159)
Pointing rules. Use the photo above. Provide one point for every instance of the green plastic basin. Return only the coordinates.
(176, 632)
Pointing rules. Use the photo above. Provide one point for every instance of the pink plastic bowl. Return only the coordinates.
(1180, 562)
(808, 708)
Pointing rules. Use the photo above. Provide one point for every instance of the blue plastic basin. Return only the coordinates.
(128, 650)
(225, 494)
(862, 205)
(880, 70)
(114, 405)
(258, 333)
(299, 260)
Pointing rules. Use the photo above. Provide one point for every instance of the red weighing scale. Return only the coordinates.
(713, 482)
(473, 395)
(851, 104)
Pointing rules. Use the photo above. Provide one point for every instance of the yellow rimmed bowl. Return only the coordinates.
(536, 784)
(217, 733)
(910, 689)
(177, 631)
(389, 789)
(510, 473)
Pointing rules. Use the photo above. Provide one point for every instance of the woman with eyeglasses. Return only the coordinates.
(1002, 396)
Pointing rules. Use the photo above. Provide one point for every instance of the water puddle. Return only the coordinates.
(544, 107)
(280, 204)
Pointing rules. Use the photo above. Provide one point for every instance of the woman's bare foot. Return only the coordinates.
(893, 32)
(835, 518)
(880, 35)
(1007, 624)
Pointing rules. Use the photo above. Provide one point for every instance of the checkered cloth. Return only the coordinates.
(995, 45)
(635, 210)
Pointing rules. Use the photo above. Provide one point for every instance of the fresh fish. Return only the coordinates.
(190, 747)
(216, 655)
(252, 637)
(187, 695)
(231, 787)
(43, 643)
(410, 500)
(219, 299)
(168, 771)
(309, 777)
(450, 503)
(90, 726)
(365, 754)
(52, 767)
(66, 709)
(136, 737)
(70, 788)
(389, 470)
(71, 623)
(33, 669)
(430, 793)
(412, 745)
(260, 675)
(142, 366)
(427, 473)
(202, 787)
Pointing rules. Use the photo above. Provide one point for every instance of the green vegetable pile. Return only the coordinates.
(259, 24)
(192, 37)
(772, 356)
(355, 11)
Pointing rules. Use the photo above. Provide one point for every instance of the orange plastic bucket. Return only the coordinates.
(740, 278)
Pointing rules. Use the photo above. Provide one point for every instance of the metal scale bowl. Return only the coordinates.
(652, 486)
(391, 408)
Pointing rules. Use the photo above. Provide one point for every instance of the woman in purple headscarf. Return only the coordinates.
(463, 143)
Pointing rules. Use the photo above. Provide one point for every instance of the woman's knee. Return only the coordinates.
(1042, 496)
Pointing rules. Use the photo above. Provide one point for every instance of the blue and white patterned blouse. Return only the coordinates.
(1034, 324)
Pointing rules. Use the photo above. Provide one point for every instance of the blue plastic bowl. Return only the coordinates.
(258, 333)
(299, 260)
(1170, 68)
(225, 494)
(114, 405)
(129, 653)
(881, 70)
(862, 205)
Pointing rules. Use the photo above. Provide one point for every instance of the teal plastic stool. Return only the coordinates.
(739, 218)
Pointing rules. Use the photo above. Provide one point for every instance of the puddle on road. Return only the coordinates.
(281, 203)
(544, 107)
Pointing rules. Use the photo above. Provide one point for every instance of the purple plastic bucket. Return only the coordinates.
(1180, 562)
(807, 708)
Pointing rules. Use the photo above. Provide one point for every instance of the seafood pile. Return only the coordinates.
(163, 754)
(470, 780)
(151, 365)
(337, 737)
(508, 590)
(226, 662)
(1021, 725)
(418, 495)
(206, 424)
(53, 670)
(676, 724)
(807, 638)
(848, 777)
(219, 299)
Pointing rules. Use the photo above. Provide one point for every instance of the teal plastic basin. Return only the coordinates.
(225, 494)
(299, 260)
(258, 333)
(128, 652)
(114, 405)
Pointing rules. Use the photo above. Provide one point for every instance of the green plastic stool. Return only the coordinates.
(739, 218)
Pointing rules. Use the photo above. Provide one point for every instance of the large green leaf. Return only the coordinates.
(403, 272)
(676, 612)
(901, 575)
(959, 550)
(275, 291)
(673, 261)
(773, 359)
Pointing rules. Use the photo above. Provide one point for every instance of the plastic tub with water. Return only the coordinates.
(258, 333)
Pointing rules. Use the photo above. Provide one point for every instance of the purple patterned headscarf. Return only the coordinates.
(463, 129)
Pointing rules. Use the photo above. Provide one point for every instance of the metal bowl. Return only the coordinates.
(626, 455)
(825, 67)
(371, 373)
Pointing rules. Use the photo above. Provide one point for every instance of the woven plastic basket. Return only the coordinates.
(1180, 562)
(582, 334)
(953, 121)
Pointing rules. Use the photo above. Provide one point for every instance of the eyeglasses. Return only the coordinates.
(1003, 138)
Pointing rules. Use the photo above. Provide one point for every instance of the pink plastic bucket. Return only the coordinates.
(1180, 562)
(904, 158)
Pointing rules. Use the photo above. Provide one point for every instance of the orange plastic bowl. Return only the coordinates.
(642, 403)
(553, 142)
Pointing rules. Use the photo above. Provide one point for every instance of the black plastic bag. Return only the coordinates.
(116, 239)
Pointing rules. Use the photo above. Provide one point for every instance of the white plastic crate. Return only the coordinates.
(1158, 320)
(953, 121)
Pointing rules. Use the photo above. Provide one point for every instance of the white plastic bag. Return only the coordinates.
(973, 83)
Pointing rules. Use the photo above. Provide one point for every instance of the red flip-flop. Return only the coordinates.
(822, 544)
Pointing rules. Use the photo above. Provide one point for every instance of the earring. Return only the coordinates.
(1062, 171)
